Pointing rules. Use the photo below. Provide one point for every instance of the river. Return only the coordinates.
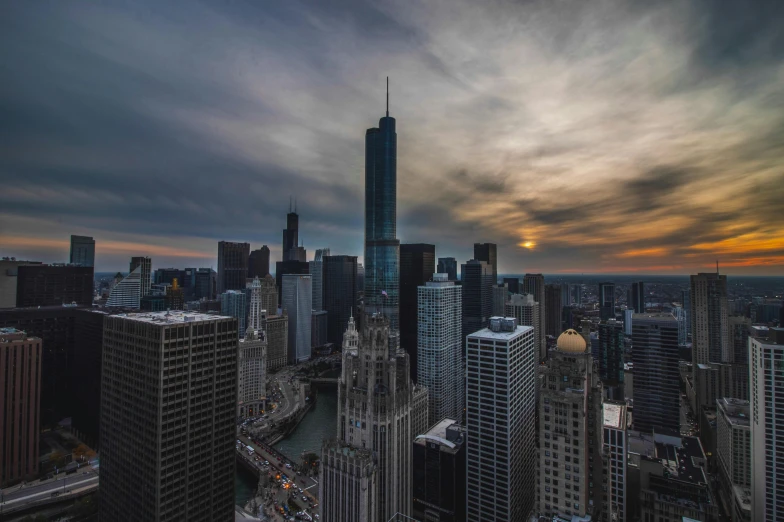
(320, 423)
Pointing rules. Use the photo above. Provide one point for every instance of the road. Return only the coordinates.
(33, 492)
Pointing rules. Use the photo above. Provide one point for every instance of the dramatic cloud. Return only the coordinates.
(580, 136)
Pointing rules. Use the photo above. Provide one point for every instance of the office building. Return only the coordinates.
(146, 272)
(439, 347)
(82, 251)
(488, 252)
(740, 330)
(606, 301)
(365, 473)
(269, 295)
(628, 316)
(448, 266)
(656, 377)
(477, 289)
(440, 472)
(513, 285)
(637, 294)
(501, 472)
(277, 341)
(9, 273)
(234, 304)
(733, 449)
(767, 426)
(259, 262)
(205, 283)
(417, 265)
(20, 405)
(709, 319)
(534, 284)
(686, 303)
(340, 294)
(614, 444)
(175, 296)
(553, 309)
(526, 310)
(290, 267)
(680, 315)
(127, 293)
(252, 372)
(382, 248)
(54, 285)
(566, 295)
(570, 408)
(500, 293)
(316, 269)
(611, 357)
(297, 295)
(232, 265)
(165, 454)
(318, 331)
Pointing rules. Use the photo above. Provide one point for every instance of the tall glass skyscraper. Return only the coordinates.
(382, 248)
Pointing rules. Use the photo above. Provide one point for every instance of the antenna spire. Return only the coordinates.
(295, 204)
(387, 96)
(289, 203)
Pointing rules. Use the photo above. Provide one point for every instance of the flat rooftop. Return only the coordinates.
(487, 333)
(171, 317)
(438, 434)
(614, 415)
(736, 411)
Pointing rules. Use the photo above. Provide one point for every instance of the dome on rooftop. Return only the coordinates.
(571, 342)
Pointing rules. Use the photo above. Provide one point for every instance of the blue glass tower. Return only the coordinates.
(382, 248)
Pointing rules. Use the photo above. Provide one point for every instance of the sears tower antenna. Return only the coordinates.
(387, 96)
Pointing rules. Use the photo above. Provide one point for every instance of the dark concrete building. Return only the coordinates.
(611, 349)
(288, 267)
(232, 265)
(440, 473)
(168, 426)
(637, 295)
(339, 296)
(514, 287)
(82, 251)
(417, 265)
(477, 283)
(259, 262)
(553, 310)
(606, 301)
(448, 266)
(488, 252)
(54, 285)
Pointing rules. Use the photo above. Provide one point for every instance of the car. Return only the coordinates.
(304, 498)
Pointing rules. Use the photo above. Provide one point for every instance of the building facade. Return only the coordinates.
(614, 453)
(611, 356)
(733, 448)
(637, 297)
(82, 251)
(145, 263)
(417, 265)
(54, 285)
(297, 295)
(606, 301)
(168, 402)
(317, 278)
(477, 289)
(340, 294)
(709, 319)
(500, 412)
(252, 373)
(448, 266)
(553, 310)
(232, 265)
(128, 292)
(234, 304)
(439, 348)
(488, 252)
(500, 293)
(439, 473)
(526, 310)
(269, 295)
(277, 341)
(534, 284)
(259, 262)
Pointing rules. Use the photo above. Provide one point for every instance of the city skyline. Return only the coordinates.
(644, 140)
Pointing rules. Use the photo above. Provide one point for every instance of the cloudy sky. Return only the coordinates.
(581, 136)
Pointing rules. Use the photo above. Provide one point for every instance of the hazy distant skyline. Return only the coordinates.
(585, 137)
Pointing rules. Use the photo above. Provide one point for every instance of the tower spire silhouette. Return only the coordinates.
(387, 96)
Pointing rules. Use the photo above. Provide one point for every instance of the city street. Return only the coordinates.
(63, 485)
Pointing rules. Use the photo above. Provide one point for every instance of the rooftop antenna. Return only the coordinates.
(295, 205)
(387, 96)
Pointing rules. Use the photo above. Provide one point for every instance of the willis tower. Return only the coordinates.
(382, 248)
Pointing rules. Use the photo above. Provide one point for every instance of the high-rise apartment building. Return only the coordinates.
(606, 301)
(477, 288)
(448, 266)
(232, 265)
(277, 341)
(637, 295)
(297, 298)
(340, 294)
(766, 364)
(733, 448)
(534, 284)
(365, 473)
(570, 441)
(382, 248)
(417, 265)
(501, 473)
(168, 405)
(145, 263)
(656, 377)
(488, 252)
(259, 262)
(527, 311)
(439, 347)
(316, 269)
(82, 251)
(54, 285)
(709, 319)
(128, 292)
(234, 304)
(611, 357)
(20, 405)
(553, 310)
(614, 444)
(440, 472)
(252, 372)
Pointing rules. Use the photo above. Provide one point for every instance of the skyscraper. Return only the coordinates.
(152, 466)
(500, 412)
(477, 289)
(526, 310)
(127, 293)
(656, 377)
(615, 445)
(513, 284)
(297, 295)
(256, 312)
(269, 295)
(232, 265)
(709, 319)
(611, 351)
(20, 405)
(259, 262)
(570, 438)
(317, 279)
(82, 251)
(417, 265)
(54, 285)
(439, 347)
(553, 310)
(252, 372)
(488, 252)
(448, 266)
(733, 449)
(291, 249)
(637, 295)
(277, 341)
(234, 304)
(500, 293)
(440, 472)
(606, 301)
(146, 265)
(566, 295)
(290, 267)
(340, 294)
(382, 248)
(534, 284)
